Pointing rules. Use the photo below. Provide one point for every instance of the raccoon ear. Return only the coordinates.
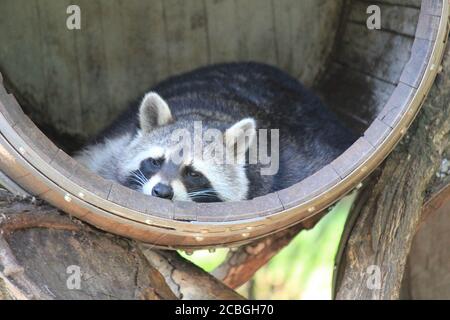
(153, 112)
(241, 135)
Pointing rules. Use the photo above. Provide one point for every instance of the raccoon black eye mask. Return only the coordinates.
(230, 103)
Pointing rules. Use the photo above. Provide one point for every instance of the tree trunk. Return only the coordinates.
(427, 274)
(388, 211)
(48, 255)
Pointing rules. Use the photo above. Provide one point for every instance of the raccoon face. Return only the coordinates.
(156, 165)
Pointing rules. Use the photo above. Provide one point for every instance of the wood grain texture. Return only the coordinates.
(388, 211)
(295, 24)
(427, 270)
(186, 280)
(38, 245)
(370, 62)
(393, 16)
(427, 273)
(76, 82)
(380, 54)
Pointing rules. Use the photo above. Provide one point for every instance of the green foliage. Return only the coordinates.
(206, 260)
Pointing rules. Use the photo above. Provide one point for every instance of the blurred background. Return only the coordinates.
(302, 270)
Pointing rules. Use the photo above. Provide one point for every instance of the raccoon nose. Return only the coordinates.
(162, 191)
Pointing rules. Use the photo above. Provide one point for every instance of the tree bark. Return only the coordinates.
(186, 280)
(427, 273)
(387, 213)
(48, 255)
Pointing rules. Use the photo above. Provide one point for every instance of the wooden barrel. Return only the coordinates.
(73, 82)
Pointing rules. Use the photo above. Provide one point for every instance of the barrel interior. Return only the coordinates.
(74, 82)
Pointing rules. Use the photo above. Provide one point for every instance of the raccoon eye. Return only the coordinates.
(154, 163)
(191, 173)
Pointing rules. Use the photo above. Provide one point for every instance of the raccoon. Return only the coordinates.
(237, 100)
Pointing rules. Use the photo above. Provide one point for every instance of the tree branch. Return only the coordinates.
(389, 213)
(38, 244)
(186, 280)
(241, 264)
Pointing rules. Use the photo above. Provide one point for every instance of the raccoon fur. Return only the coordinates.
(136, 150)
